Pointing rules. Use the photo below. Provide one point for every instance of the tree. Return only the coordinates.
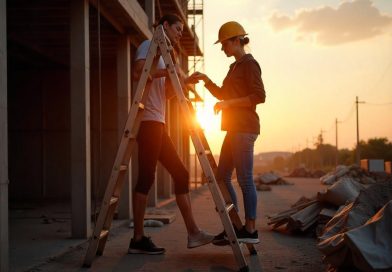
(376, 148)
(323, 156)
(346, 157)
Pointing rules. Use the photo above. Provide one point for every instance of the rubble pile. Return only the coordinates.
(359, 235)
(302, 172)
(270, 178)
(263, 181)
(354, 172)
(352, 219)
(293, 218)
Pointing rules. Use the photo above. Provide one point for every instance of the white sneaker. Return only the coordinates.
(200, 239)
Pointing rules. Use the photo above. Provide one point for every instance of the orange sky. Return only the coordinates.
(316, 57)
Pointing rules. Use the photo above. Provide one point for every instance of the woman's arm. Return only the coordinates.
(154, 73)
(214, 89)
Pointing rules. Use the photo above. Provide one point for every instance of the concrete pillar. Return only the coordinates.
(80, 120)
(123, 107)
(4, 240)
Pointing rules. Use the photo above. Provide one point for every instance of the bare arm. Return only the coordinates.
(157, 73)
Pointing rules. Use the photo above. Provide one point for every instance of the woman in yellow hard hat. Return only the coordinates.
(241, 91)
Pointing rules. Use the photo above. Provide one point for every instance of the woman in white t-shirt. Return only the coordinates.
(155, 145)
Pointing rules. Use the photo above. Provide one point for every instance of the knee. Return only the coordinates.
(144, 183)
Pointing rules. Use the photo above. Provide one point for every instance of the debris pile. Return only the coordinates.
(302, 172)
(353, 171)
(263, 181)
(352, 219)
(302, 215)
(359, 235)
(270, 178)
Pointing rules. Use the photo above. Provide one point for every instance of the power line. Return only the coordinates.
(381, 77)
(378, 104)
(349, 115)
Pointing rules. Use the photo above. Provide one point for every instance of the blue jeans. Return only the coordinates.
(237, 153)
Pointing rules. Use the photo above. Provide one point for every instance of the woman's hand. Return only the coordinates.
(220, 106)
(196, 77)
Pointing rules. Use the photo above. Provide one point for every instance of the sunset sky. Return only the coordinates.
(316, 57)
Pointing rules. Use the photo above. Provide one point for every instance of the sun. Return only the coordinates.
(206, 117)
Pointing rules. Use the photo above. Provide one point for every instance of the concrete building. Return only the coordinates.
(65, 92)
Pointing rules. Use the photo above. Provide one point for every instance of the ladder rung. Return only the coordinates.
(113, 200)
(207, 152)
(123, 167)
(139, 105)
(128, 135)
(229, 207)
(103, 234)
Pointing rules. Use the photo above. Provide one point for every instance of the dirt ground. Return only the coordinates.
(277, 251)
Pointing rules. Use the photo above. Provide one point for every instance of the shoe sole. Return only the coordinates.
(139, 251)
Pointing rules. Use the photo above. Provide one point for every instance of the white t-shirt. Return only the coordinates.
(155, 105)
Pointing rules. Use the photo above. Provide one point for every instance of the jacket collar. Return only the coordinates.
(245, 57)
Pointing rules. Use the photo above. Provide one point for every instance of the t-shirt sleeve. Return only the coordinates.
(142, 50)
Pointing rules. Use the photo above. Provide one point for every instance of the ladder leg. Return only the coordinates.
(228, 225)
(235, 218)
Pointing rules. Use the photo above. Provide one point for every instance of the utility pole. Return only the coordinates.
(358, 151)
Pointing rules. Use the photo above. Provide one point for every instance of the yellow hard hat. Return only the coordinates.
(229, 30)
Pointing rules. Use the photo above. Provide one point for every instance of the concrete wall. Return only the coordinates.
(38, 132)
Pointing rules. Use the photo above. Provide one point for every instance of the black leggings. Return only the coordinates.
(155, 145)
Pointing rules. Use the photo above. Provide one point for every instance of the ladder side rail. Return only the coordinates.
(124, 141)
(219, 201)
(140, 89)
(132, 143)
(127, 136)
(217, 196)
(235, 218)
(120, 159)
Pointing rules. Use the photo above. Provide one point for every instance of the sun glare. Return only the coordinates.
(207, 119)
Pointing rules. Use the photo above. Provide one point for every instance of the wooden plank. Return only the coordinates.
(164, 218)
(4, 236)
(136, 14)
(80, 120)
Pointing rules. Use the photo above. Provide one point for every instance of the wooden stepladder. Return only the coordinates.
(161, 45)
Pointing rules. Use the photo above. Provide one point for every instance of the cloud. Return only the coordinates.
(350, 21)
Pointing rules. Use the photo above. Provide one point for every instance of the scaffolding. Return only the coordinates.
(195, 17)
